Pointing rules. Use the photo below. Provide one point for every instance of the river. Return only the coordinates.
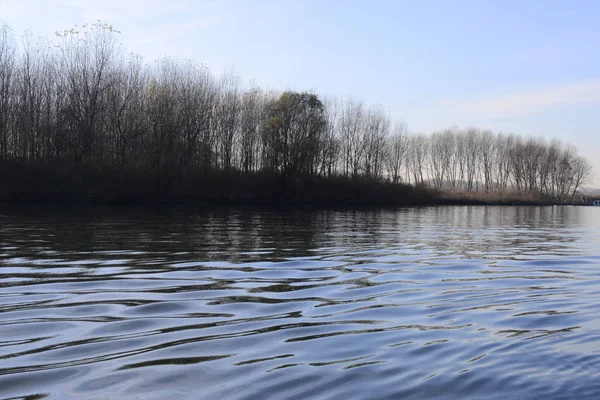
(434, 302)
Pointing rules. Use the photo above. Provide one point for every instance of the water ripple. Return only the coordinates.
(446, 302)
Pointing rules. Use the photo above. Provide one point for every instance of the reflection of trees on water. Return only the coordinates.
(475, 232)
(246, 234)
(460, 231)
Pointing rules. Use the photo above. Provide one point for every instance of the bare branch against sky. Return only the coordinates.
(507, 66)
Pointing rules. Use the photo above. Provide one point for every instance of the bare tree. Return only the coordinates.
(397, 152)
(226, 117)
(488, 149)
(375, 135)
(79, 106)
(352, 127)
(331, 141)
(418, 148)
(88, 57)
(7, 72)
(126, 98)
(196, 94)
(582, 174)
(252, 115)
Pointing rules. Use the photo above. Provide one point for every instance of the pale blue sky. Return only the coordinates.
(530, 67)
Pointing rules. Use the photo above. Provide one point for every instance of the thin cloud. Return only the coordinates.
(526, 102)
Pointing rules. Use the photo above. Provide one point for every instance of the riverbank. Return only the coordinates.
(63, 186)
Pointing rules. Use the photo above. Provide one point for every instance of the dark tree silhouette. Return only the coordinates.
(82, 121)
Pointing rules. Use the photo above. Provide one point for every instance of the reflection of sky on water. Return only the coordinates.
(494, 302)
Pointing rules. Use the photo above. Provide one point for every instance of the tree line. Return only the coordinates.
(82, 104)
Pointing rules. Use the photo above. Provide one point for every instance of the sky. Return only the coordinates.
(530, 67)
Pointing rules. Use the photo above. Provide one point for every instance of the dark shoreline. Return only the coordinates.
(23, 184)
(283, 204)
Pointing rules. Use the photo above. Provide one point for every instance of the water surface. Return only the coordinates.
(440, 302)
